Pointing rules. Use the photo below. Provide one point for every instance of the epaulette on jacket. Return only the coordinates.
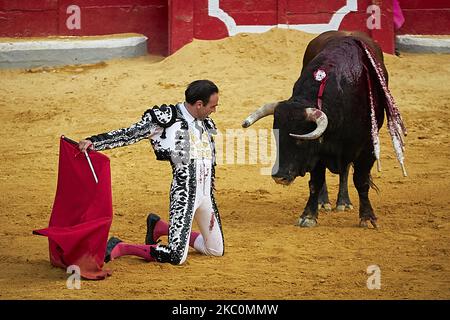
(164, 116)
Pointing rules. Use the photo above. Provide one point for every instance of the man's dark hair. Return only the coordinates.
(200, 90)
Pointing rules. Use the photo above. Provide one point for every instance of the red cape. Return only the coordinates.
(82, 212)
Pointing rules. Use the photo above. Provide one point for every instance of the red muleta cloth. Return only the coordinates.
(82, 212)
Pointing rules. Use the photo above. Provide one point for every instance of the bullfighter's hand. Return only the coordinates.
(83, 145)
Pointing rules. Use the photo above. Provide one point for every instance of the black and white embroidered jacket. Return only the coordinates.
(174, 134)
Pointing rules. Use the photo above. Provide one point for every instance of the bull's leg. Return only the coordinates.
(343, 200)
(361, 179)
(324, 202)
(310, 213)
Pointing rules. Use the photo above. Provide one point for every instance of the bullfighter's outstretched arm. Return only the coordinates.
(145, 128)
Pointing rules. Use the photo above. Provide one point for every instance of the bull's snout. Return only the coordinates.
(282, 179)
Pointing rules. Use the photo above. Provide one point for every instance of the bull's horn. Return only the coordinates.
(262, 112)
(320, 118)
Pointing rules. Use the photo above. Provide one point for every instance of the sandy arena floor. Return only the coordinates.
(267, 256)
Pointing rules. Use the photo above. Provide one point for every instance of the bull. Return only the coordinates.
(332, 121)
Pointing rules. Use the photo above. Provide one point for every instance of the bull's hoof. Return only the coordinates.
(307, 222)
(363, 223)
(324, 206)
(344, 207)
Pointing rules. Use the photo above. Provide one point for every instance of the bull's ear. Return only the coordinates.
(260, 113)
(298, 114)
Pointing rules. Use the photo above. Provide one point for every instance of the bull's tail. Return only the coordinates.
(395, 123)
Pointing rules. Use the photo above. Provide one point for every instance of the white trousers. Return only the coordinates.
(192, 197)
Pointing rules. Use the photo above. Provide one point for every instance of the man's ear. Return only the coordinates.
(198, 104)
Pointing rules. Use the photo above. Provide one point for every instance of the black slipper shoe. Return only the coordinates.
(112, 243)
(152, 219)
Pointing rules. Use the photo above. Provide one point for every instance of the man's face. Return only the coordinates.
(204, 111)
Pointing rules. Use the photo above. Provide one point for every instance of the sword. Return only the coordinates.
(90, 165)
(86, 154)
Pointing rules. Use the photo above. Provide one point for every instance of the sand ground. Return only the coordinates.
(267, 256)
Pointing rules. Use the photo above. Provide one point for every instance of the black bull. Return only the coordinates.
(332, 121)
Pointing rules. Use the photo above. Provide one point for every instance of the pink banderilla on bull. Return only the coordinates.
(395, 123)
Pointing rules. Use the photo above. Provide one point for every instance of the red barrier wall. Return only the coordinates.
(426, 17)
(28, 18)
(260, 13)
(38, 18)
(170, 24)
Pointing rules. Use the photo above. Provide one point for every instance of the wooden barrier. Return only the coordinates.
(170, 24)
